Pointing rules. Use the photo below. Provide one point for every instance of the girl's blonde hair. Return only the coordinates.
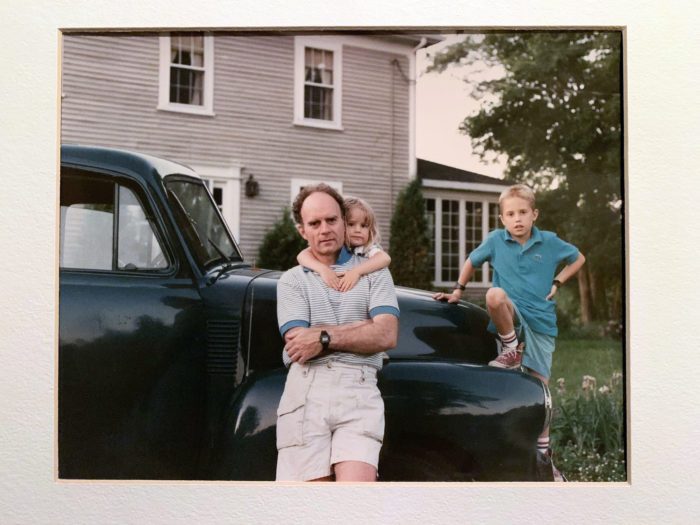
(356, 202)
(518, 190)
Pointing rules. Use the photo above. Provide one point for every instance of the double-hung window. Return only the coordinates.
(318, 82)
(186, 73)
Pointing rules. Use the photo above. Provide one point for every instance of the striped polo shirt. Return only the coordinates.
(303, 299)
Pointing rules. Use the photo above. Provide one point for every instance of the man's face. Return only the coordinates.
(518, 217)
(322, 225)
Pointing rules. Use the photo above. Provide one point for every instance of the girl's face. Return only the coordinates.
(357, 230)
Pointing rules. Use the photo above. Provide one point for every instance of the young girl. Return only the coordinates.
(361, 237)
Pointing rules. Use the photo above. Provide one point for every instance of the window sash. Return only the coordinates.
(187, 73)
(318, 81)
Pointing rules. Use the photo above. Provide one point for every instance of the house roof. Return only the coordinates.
(410, 38)
(428, 171)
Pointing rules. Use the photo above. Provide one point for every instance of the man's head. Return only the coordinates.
(320, 216)
(518, 212)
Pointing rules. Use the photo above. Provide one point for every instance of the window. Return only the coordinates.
(318, 81)
(456, 226)
(89, 227)
(186, 73)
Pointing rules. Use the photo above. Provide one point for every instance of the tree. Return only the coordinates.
(557, 114)
(409, 241)
(281, 244)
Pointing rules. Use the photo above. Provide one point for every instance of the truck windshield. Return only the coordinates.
(200, 222)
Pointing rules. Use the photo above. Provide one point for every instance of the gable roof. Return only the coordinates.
(433, 170)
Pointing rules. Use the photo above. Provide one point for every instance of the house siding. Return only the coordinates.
(110, 98)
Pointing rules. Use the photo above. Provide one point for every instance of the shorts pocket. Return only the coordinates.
(290, 428)
(373, 413)
(290, 412)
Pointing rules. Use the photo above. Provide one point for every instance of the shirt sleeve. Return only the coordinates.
(292, 304)
(372, 250)
(566, 252)
(483, 252)
(382, 294)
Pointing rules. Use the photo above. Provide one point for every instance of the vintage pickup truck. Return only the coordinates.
(169, 356)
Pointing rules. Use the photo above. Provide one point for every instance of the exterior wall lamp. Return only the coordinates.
(252, 188)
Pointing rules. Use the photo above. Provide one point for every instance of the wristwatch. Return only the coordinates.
(556, 282)
(325, 340)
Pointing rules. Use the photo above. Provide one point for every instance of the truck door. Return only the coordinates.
(131, 359)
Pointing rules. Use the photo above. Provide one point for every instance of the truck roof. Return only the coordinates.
(112, 158)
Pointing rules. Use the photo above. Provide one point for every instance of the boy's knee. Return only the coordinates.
(496, 297)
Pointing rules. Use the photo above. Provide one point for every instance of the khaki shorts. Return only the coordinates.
(328, 413)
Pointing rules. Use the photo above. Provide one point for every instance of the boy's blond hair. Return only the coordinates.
(518, 190)
(356, 202)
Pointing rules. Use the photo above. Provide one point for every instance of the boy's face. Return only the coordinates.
(518, 217)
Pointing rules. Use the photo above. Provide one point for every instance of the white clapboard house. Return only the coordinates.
(276, 109)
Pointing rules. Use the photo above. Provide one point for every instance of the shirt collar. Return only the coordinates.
(535, 237)
(343, 257)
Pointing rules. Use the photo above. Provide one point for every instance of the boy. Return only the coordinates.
(524, 260)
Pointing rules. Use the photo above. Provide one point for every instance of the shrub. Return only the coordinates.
(409, 242)
(281, 244)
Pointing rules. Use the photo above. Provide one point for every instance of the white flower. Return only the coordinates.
(589, 383)
(604, 389)
(561, 387)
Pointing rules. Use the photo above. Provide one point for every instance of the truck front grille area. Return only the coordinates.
(222, 346)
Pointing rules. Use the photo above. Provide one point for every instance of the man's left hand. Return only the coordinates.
(302, 344)
(552, 293)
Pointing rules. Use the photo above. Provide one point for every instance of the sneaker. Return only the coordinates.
(509, 358)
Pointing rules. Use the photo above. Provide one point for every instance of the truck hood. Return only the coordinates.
(428, 329)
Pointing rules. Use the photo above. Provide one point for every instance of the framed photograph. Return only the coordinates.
(163, 86)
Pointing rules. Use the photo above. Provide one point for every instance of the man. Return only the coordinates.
(330, 420)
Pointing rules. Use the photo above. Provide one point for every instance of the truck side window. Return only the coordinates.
(88, 227)
(87, 224)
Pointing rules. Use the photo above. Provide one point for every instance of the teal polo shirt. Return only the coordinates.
(526, 272)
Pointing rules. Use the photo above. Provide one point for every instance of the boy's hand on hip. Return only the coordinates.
(553, 292)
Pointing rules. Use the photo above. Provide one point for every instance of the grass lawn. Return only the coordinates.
(575, 358)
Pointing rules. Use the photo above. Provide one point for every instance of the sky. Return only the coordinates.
(442, 101)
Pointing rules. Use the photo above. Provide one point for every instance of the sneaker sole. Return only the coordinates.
(496, 364)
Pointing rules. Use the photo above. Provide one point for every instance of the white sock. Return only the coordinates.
(509, 341)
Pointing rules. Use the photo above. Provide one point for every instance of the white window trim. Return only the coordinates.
(164, 103)
(462, 198)
(328, 44)
(297, 184)
(230, 179)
